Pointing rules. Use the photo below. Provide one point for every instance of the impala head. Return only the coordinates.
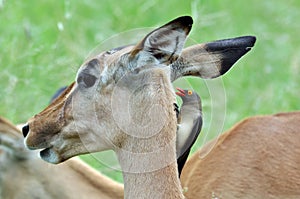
(125, 94)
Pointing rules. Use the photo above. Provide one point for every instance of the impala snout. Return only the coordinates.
(25, 130)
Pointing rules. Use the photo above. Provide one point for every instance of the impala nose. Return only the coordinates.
(25, 130)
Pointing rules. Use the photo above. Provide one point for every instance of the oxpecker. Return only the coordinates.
(189, 124)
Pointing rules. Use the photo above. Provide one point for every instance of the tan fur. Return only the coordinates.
(258, 158)
(29, 177)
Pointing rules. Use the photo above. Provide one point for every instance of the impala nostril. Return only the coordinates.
(25, 130)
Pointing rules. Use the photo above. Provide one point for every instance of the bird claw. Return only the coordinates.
(176, 108)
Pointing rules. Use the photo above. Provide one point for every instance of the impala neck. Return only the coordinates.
(160, 184)
(149, 166)
(147, 153)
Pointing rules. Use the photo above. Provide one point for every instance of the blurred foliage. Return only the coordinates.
(43, 43)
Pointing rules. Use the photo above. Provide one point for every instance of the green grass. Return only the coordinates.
(43, 43)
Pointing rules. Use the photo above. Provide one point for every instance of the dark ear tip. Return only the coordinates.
(247, 41)
(185, 20)
(250, 40)
(244, 42)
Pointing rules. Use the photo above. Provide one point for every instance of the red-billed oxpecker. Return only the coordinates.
(189, 124)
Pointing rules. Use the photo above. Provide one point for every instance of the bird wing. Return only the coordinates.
(184, 149)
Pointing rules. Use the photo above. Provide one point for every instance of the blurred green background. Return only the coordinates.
(42, 44)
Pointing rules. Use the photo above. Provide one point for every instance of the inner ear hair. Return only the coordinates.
(166, 43)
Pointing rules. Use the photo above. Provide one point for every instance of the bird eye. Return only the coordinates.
(190, 92)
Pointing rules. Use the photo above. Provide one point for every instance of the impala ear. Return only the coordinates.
(165, 43)
(211, 60)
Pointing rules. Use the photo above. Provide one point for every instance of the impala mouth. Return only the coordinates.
(45, 152)
(50, 155)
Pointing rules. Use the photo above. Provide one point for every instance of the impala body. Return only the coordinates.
(257, 158)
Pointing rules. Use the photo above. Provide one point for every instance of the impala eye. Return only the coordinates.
(87, 80)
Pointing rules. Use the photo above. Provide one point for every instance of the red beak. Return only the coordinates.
(180, 92)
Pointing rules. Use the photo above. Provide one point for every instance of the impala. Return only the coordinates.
(257, 158)
(122, 100)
